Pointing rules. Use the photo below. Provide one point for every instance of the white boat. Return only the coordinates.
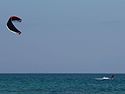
(103, 78)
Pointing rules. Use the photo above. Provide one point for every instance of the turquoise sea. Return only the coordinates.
(61, 84)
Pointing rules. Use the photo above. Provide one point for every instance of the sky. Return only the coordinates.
(63, 36)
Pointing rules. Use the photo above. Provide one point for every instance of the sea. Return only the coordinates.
(61, 83)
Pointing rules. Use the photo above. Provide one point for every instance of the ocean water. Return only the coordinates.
(61, 84)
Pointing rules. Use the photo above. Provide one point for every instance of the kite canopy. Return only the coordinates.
(11, 26)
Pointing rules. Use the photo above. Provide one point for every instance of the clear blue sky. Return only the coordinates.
(63, 36)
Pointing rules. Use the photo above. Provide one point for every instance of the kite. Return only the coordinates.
(11, 26)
